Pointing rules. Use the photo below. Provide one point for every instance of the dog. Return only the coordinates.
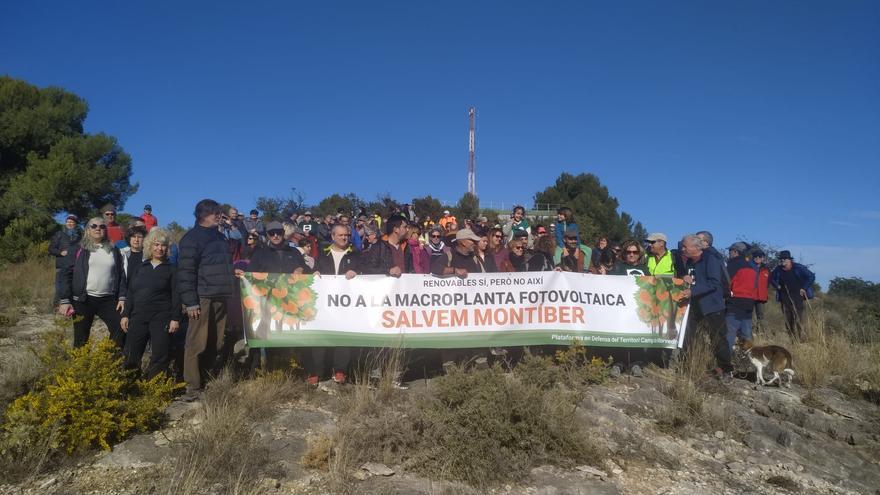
(777, 359)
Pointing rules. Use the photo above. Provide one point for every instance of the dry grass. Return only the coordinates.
(31, 283)
(690, 407)
(477, 426)
(223, 450)
(826, 356)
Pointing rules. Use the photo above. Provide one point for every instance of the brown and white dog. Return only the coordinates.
(777, 359)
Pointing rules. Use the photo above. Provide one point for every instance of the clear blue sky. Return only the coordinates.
(752, 119)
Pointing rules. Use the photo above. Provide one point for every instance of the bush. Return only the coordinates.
(88, 400)
(477, 426)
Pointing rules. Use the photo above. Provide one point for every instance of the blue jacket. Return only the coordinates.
(806, 277)
(707, 291)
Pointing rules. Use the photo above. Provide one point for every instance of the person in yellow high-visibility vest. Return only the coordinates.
(659, 260)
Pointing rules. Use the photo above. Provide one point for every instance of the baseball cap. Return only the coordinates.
(274, 226)
(466, 234)
(446, 212)
(657, 236)
(148, 208)
(785, 255)
(71, 217)
(308, 213)
(739, 247)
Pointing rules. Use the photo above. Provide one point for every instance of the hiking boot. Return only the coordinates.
(191, 395)
(339, 377)
(312, 380)
(498, 351)
(399, 385)
(615, 371)
(240, 351)
(328, 386)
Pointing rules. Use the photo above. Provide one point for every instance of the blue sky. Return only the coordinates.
(750, 119)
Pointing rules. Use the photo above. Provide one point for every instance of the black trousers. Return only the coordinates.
(717, 327)
(150, 327)
(324, 361)
(102, 307)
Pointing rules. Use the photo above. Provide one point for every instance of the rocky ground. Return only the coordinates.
(775, 440)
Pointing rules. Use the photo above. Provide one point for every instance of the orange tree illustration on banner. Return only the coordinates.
(661, 304)
(277, 302)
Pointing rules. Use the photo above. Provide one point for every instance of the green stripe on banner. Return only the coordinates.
(451, 340)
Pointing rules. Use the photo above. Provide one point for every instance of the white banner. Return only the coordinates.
(492, 309)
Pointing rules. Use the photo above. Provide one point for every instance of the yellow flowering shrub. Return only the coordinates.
(87, 399)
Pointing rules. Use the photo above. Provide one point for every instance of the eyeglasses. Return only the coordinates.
(435, 236)
(252, 238)
(498, 236)
(274, 233)
(629, 251)
(517, 248)
(98, 226)
(109, 214)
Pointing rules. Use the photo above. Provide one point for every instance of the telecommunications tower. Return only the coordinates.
(472, 173)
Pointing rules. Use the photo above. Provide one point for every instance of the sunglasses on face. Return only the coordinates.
(631, 252)
(109, 214)
(274, 233)
(252, 238)
(98, 226)
(567, 238)
(517, 248)
(435, 236)
(498, 236)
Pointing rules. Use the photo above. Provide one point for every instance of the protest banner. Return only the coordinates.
(482, 310)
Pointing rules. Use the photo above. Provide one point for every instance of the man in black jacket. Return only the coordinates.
(277, 256)
(205, 282)
(390, 256)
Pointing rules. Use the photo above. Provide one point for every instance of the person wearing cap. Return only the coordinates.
(794, 284)
(446, 218)
(114, 231)
(149, 219)
(762, 282)
(571, 255)
(391, 255)
(254, 225)
(660, 260)
(461, 260)
(62, 242)
(743, 290)
(308, 225)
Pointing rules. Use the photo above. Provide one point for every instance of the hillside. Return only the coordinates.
(562, 426)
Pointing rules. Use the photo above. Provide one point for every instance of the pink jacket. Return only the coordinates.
(421, 258)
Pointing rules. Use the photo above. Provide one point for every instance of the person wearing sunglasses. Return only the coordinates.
(498, 251)
(115, 232)
(436, 245)
(95, 285)
(632, 261)
(277, 256)
(661, 261)
(517, 255)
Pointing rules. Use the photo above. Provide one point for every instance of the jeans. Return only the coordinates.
(738, 327)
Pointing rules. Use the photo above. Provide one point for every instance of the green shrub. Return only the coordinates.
(87, 399)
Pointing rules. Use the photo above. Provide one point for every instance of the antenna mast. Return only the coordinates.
(472, 173)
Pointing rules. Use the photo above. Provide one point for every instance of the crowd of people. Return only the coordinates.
(183, 298)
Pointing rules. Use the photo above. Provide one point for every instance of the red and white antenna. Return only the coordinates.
(472, 164)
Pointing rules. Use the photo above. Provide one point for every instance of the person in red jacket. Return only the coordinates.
(762, 284)
(150, 221)
(115, 232)
(743, 291)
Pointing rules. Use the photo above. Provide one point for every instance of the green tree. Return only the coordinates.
(334, 203)
(428, 205)
(48, 165)
(279, 208)
(468, 207)
(384, 205)
(595, 210)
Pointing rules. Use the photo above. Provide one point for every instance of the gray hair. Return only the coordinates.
(692, 239)
(707, 235)
(90, 245)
